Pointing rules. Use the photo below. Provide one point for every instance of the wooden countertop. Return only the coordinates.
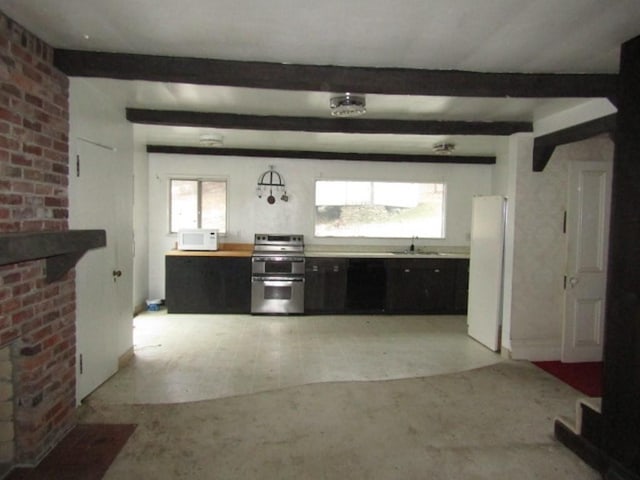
(226, 250)
(246, 250)
(384, 255)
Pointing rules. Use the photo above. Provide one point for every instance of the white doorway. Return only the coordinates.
(103, 276)
(588, 211)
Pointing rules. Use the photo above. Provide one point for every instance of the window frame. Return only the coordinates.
(199, 180)
(444, 207)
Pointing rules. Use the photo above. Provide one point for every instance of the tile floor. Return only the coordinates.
(292, 397)
(182, 358)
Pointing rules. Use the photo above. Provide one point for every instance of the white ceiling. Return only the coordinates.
(541, 36)
(488, 35)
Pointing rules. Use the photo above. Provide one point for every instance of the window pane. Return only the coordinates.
(214, 205)
(379, 209)
(184, 204)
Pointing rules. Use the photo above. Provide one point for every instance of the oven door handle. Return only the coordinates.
(277, 259)
(277, 281)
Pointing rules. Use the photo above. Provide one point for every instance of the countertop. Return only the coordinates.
(246, 250)
(226, 250)
(388, 251)
(392, 254)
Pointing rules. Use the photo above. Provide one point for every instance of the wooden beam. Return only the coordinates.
(621, 396)
(316, 124)
(545, 145)
(318, 155)
(396, 81)
(61, 249)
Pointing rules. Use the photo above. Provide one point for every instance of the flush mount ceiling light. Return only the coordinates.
(444, 148)
(211, 140)
(347, 105)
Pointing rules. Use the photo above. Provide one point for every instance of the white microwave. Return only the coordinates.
(200, 239)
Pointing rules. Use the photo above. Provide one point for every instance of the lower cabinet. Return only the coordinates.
(366, 285)
(333, 285)
(391, 285)
(461, 289)
(420, 286)
(325, 285)
(200, 284)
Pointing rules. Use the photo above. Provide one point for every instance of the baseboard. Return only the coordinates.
(138, 309)
(537, 350)
(589, 453)
(125, 358)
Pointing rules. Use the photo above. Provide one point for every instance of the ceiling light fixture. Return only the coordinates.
(347, 105)
(211, 140)
(444, 148)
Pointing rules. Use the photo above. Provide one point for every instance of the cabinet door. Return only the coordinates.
(366, 285)
(418, 286)
(313, 286)
(236, 273)
(189, 285)
(208, 284)
(437, 288)
(335, 285)
(461, 293)
(325, 285)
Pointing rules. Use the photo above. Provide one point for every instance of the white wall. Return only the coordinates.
(589, 110)
(504, 183)
(140, 225)
(249, 215)
(535, 300)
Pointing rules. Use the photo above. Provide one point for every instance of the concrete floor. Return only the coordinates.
(226, 397)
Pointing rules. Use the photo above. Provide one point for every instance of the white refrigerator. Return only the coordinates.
(484, 311)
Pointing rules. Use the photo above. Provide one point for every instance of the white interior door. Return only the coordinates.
(92, 205)
(484, 310)
(588, 208)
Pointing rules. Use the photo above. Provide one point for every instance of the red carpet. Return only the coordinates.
(84, 454)
(585, 377)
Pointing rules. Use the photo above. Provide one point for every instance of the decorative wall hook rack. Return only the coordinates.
(269, 181)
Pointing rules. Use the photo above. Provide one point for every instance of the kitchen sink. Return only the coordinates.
(425, 254)
(415, 252)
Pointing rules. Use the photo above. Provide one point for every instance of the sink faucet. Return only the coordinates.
(412, 247)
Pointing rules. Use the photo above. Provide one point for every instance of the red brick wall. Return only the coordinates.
(36, 318)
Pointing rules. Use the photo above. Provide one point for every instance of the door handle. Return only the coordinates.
(116, 274)
(573, 281)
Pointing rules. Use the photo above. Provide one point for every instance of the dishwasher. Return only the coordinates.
(366, 285)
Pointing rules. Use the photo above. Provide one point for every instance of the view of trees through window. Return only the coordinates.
(198, 204)
(379, 209)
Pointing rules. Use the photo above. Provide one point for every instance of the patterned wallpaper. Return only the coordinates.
(540, 249)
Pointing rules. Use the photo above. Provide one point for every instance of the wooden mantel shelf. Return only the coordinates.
(61, 249)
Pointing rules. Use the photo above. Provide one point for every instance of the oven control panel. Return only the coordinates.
(279, 239)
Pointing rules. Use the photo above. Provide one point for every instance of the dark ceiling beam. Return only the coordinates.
(396, 81)
(316, 155)
(545, 145)
(316, 124)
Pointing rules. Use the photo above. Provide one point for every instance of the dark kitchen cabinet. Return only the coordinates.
(325, 285)
(366, 285)
(461, 288)
(419, 285)
(202, 284)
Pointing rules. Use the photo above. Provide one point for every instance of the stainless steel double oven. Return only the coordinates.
(277, 274)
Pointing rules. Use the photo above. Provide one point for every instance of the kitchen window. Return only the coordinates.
(198, 203)
(379, 209)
